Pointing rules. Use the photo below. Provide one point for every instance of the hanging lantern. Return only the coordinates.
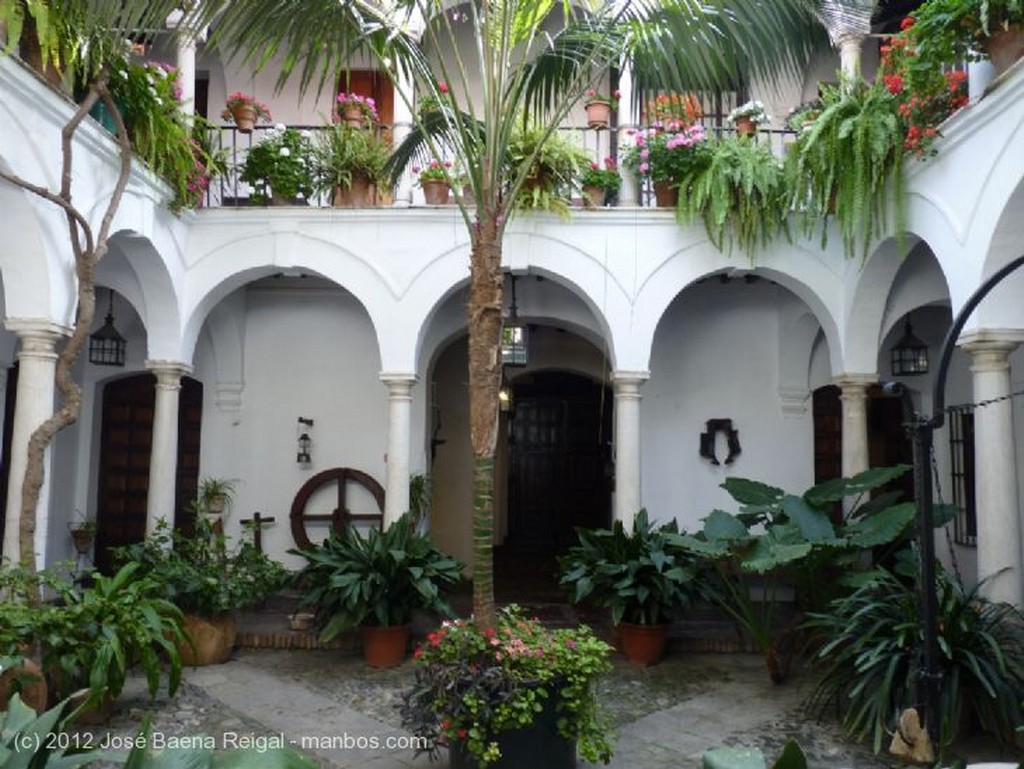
(909, 354)
(515, 339)
(106, 345)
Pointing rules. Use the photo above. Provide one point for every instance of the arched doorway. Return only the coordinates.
(125, 442)
(559, 450)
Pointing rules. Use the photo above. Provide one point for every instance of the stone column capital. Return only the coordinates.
(991, 341)
(399, 384)
(853, 381)
(168, 372)
(38, 336)
(628, 383)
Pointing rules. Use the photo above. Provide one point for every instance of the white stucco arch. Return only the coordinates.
(236, 262)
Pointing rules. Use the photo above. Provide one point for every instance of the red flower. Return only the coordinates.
(894, 83)
(907, 23)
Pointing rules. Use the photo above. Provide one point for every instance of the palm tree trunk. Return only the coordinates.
(484, 320)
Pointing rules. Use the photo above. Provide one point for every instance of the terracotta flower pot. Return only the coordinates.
(213, 638)
(26, 679)
(435, 192)
(244, 115)
(1005, 47)
(353, 115)
(745, 126)
(599, 114)
(593, 196)
(356, 195)
(384, 647)
(666, 194)
(644, 644)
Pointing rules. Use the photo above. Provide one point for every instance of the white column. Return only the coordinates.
(850, 54)
(396, 499)
(854, 397)
(995, 463)
(627, 119)
(37, 361)
(401, 128)
(627, 444)
(163, 457)
(187, 80)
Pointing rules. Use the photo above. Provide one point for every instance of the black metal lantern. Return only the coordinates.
(515, 339)
(303, 456)
(909, 354)
(106, 345)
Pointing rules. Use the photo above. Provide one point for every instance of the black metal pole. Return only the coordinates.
(929, 689)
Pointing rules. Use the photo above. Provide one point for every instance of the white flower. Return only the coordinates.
(149, 79)
(285, 152)
(280, 127)
(306, 134)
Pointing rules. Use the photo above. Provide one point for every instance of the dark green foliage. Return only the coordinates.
(639, 576)
(871, 656)
(201, 575)
(551, 163)
(379, 578)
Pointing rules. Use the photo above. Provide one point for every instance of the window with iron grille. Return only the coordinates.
(961, 452)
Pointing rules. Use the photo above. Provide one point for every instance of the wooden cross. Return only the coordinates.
(256, 523)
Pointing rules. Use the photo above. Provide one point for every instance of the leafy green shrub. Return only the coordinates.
(639, 576)
(551, 166)
(871, 657)
(281, 166)
(379, 578)
(200, 574)
(343, 153)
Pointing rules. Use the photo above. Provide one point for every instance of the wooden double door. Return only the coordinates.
(125, 445)
(559, 460)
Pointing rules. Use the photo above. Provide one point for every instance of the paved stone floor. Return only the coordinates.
(666, 715)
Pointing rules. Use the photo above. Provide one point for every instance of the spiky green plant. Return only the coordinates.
(870, 658)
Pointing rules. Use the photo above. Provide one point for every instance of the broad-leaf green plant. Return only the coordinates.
(799, 541)
(343, 153)
(870, 657)
(376, 578)
(641, 577)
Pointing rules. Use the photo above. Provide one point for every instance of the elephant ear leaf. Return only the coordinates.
(812, 522)
(791, 757)
(721, 526)
(753, 495)
(881, 528)
(768, 554)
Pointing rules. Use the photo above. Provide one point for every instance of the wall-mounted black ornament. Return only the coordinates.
(707, 440)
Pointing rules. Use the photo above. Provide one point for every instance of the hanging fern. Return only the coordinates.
(741, 193)
(843, 164)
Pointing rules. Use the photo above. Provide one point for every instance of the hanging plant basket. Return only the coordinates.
(244, 115)
(599, 114)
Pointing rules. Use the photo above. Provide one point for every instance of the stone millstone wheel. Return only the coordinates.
(340, 517)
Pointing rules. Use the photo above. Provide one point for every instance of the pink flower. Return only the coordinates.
(442, 87)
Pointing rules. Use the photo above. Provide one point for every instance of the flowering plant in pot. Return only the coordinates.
(665, 157)
(673, 110)
(599, 107)
(280, 168)
(600, 181)
(477, 690)
(245, 110)
(355, 109)
(747, 117)
(376, 580)
(950, 31)
(435, 179)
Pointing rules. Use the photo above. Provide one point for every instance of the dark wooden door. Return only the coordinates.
(125, 443)
(559, 437)
(5, 447)
(828, 434)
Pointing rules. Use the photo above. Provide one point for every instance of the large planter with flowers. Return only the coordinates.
(350, 164)
(663, 157)
(747, 117)
(280, 167)
(599, 182)
(666, 194)
(355, 110)
(435, 180)
(502, 697)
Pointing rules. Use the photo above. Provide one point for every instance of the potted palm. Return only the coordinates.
(375, 582)
(349, 163)
(641, 577)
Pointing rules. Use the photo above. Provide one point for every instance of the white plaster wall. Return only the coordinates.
(309, 353)
(715, 357)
